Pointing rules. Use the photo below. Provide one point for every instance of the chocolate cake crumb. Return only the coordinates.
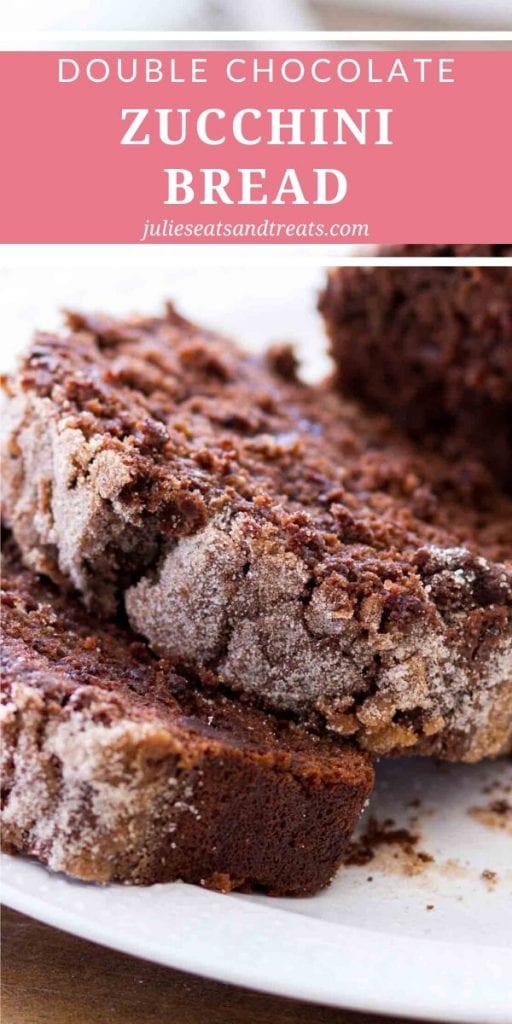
(490, 878)
(425, 858)
(497, 814)
(362, 850)
(282, 360)
(500, 807)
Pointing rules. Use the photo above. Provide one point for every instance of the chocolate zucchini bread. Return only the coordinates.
(117, 768)
(268, 536)
(431, 346)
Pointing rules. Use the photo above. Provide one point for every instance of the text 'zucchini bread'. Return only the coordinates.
(268, 535)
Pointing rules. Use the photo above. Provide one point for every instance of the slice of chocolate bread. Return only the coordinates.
(116, 768)
(432, 346)
(267, 535)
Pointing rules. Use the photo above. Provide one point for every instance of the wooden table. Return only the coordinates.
(50, 977)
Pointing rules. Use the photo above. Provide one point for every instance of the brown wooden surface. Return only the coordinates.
(49, 977)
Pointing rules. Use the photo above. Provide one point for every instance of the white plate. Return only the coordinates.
(364, 945)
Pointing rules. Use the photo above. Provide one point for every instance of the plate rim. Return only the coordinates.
(432, 962)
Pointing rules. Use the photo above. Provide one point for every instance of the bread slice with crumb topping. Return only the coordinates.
(269, 536)
(116, 767)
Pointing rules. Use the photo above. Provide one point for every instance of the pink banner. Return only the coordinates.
(281, 147)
